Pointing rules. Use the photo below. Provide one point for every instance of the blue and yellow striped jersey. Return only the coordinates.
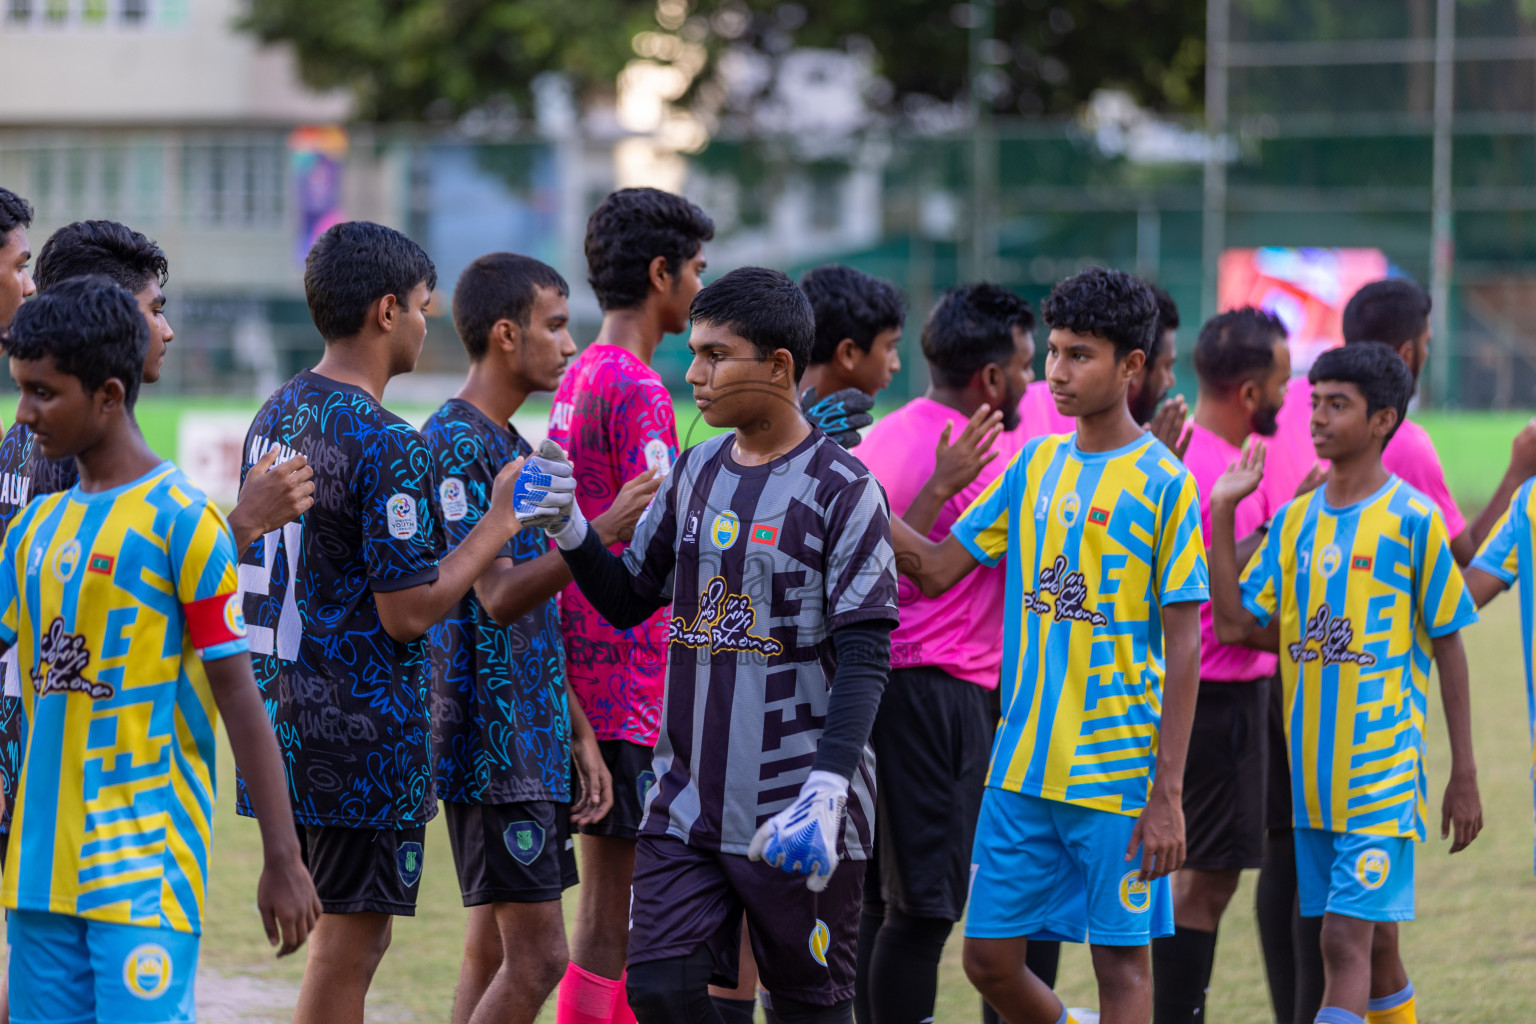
(111, 599)
(1361, 591)
(1097, 543)
(1508, 555)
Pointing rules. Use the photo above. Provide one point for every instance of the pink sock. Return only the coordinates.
(622, 1014)
(587, 998)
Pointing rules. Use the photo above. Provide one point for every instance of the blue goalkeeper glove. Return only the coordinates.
(841, 415)
(802, 838)
(545, 492)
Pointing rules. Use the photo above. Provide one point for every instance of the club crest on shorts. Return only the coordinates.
(1372, 868)
(147, 971)
(1135, 894)
(408, 861)
(643, 783)
(725, 528)
(525, 841)
(1068, 508)
(821, 938)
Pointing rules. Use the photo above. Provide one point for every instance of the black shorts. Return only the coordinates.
(1224, 776)
(512, 853)
(805, 943)
(364, 870)
(630, 765)
(932, 741)
(1277, 791)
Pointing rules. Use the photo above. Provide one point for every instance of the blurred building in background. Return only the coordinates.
(1404, 126)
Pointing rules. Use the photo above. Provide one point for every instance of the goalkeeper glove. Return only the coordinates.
(841, 415)
(545, 491)
(802, 838)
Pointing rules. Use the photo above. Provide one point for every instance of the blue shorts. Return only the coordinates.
(1051, 870)
(66, 969)
(1364, 877)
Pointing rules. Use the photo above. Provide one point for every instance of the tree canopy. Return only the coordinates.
(435, 59)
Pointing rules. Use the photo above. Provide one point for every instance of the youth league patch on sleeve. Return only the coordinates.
(656, 456)
(454, 498)
(401, 516)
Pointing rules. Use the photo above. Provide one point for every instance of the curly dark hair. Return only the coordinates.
(970, 327)
(91, 327)
(102, 247)
(1108, 304)
(1382, 377)
(1236, 346)
(849, 303)
(15, 212)
(499, 286)
(629, 229)
(764, 307)
(353, 265)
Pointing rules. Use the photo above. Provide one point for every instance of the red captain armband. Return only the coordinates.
(215, 620)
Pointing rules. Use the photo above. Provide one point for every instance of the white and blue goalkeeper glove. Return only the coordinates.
(545, 491)
(802, 838)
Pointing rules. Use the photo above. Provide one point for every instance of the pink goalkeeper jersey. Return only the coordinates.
(960, 631)
(615, 419)
(1410, 455)
(1208, 457)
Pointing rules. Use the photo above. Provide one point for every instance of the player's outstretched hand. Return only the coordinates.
(1315, 478)
(289, 905)
(1242, 478)
(956, 466)
(1159, 834)
(618, 522)
(545, 488)
(1461, 814)
(273, 495)
(1522, 453)
(802, 838)
(596, 781)
(1168, 426)
(841, 415)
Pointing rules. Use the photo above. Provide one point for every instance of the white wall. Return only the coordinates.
(194, 68)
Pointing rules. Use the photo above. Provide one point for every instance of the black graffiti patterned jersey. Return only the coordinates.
(500, 730)
(760, 564)
(25, 473)
(349, 703)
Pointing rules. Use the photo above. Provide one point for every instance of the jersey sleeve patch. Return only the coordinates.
(216, 622)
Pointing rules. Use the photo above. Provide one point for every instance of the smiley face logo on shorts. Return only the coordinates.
(821, 938)
(147, 971)
(1135, 894)
(1372, 868)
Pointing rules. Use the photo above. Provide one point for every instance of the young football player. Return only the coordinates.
(340, 601)
(119, 597)
(613, 416)
(937, 718)
(771, 545)
(16, 283)
(503, 734)
(1081, 819)
(858, 332)
(1244, 366)
(1357, 587)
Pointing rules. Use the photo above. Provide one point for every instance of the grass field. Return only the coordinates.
(1471, 954)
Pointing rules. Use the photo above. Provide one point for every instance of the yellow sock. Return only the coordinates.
(1402, 1013)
